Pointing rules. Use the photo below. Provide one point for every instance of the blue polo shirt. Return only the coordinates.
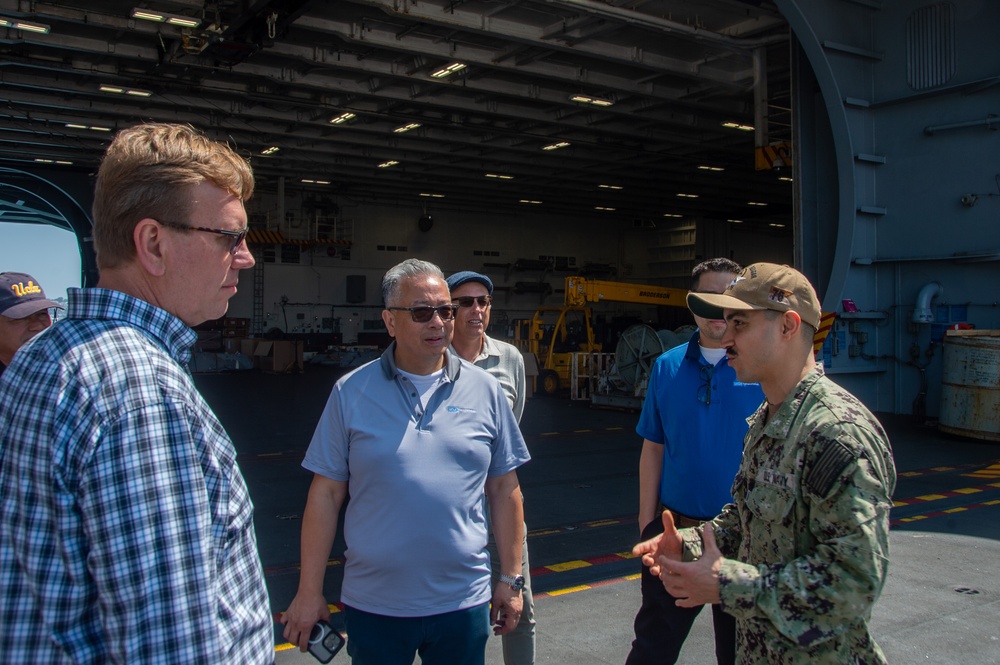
(698, 412)
(415, 525)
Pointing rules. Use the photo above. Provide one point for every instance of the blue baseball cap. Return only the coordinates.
(21, 296)
(460, 278)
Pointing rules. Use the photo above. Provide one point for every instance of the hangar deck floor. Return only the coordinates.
(941, 603)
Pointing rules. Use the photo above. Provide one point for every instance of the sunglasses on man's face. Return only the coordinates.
(467, 301)
(424, 313)
(236, 238)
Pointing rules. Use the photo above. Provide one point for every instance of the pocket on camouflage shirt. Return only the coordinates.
(770, 503)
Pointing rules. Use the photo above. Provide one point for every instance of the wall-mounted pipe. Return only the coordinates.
(922, 311)
(991, 121)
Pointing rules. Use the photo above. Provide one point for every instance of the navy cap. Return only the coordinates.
(20, 296)
(460, 278)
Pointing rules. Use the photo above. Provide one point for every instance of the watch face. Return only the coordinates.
(518, 583)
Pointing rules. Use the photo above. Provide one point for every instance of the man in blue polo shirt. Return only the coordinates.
(692, 423)
(419, 435)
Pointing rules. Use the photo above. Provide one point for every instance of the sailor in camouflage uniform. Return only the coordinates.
(801, 555)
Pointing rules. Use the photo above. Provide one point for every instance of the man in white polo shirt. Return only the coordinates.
(417, 436)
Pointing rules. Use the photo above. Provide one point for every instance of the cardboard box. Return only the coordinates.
(279, 357)
(248, 346)
(208, 340)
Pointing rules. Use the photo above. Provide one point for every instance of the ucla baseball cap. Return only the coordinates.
(466, 276)
(20, 296)
(771, 286)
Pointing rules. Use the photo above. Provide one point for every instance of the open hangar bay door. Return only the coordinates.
(613, 114)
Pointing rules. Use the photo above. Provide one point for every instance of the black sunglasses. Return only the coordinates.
(237, 236)
(466, 301)
(424, 313)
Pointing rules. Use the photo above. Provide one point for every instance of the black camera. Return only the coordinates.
(325, 642)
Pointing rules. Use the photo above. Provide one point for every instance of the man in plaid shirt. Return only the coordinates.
(126, 528)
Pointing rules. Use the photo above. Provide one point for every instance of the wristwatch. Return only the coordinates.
(516, 582)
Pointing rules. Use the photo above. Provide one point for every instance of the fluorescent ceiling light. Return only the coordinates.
(587, 99)
(453, 68)
(555, 146)
(603, 208)
(387, 164)
(27, 26)
(672, 214)
(315, 182)
(163, 17)
(777, 226)
(756, 203)
(735, 221)
(119, 90)
(500, 176)
(42, 160)
(611, 187)
(270, 150)
(433, 196)
(406, 128)
(736, 125)
(342, 118)
(96, 128)
(784, 178)
(688, 196)
(705, 167)
(529, 201)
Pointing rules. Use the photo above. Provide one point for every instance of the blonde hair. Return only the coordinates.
(145, 173)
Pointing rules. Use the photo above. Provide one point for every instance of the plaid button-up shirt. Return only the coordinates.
(126, 528)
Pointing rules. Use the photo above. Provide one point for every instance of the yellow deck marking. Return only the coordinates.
(569, 565)
(572, 589)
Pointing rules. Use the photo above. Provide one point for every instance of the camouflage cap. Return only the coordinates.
(762, 286)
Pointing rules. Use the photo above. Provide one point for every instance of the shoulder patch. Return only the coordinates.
(832, 461)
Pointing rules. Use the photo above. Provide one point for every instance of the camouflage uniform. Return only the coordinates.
(807, 539)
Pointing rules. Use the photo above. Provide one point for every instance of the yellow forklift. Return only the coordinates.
(553, 334)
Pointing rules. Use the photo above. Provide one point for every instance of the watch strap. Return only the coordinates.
(515, 582)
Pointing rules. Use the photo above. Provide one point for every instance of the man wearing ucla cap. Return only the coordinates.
(473, 293)
(24, 312)
(801, 555)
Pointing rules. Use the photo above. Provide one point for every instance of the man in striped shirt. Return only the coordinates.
(126, 528)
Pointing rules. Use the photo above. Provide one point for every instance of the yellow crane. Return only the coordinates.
(553, 334)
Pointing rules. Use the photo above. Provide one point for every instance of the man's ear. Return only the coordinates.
(791, 323)
(389, 321)
(151, 243)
